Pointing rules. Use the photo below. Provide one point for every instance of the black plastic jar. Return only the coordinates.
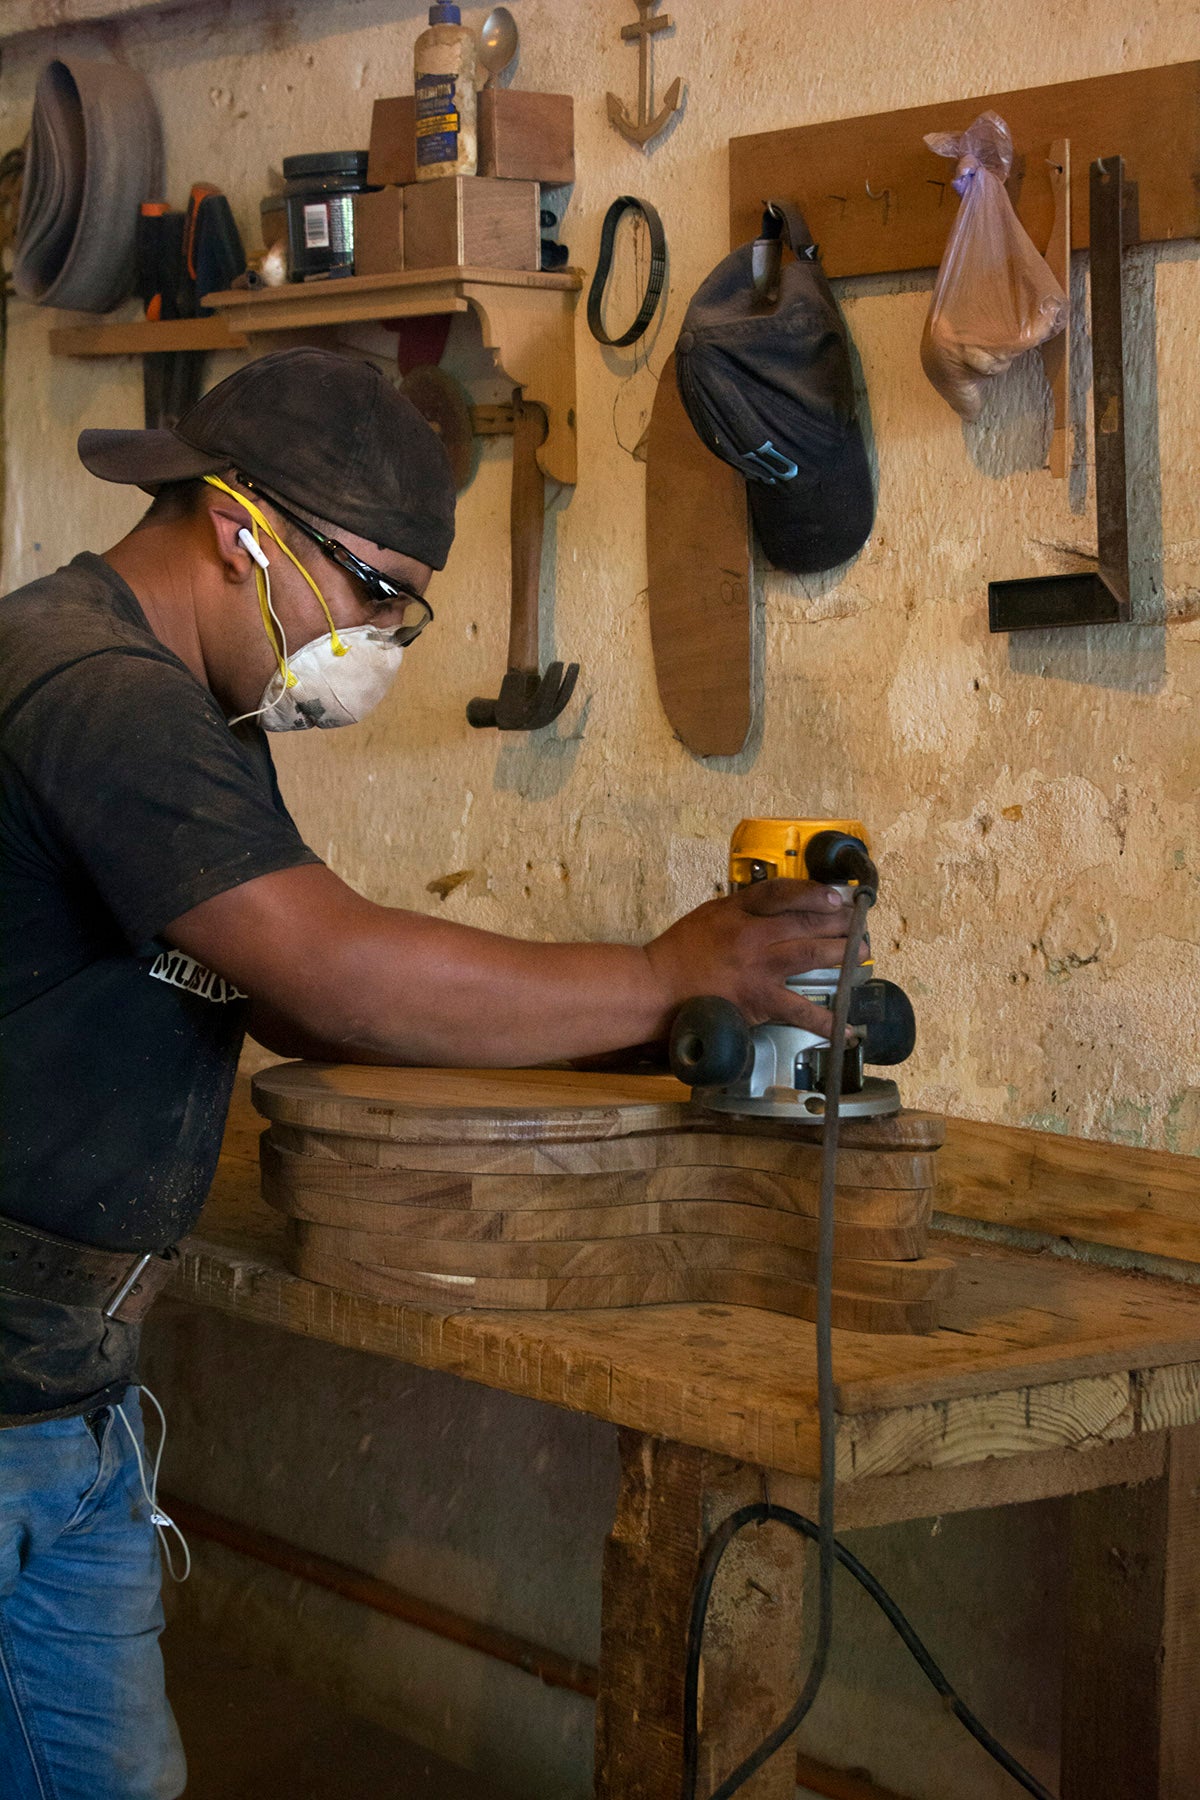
(319, 190)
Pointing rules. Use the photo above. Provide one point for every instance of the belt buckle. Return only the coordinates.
(126, 1285)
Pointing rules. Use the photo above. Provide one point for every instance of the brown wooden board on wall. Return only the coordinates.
(698, 581)
(1151, 117)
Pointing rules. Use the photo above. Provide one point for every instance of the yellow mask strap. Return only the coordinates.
(261, 523)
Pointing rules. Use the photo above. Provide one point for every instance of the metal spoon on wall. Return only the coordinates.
(497, 44)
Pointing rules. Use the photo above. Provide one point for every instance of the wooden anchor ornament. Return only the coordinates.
(648, 123)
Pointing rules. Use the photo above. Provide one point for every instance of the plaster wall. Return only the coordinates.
(1033, 804)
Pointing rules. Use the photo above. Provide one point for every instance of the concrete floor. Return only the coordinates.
(248, 1731)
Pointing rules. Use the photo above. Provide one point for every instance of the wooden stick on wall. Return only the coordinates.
(1056, 355)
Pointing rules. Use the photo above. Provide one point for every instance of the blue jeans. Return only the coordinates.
(83, 1711)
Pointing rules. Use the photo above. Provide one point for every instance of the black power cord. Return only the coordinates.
(829, 1550)
(758, 1514)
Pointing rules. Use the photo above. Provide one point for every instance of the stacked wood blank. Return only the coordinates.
(543, 1188)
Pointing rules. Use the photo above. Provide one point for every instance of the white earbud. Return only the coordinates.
(253, 549)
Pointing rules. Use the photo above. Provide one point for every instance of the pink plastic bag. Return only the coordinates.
(994, 295)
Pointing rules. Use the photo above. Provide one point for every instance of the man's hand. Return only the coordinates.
(745, 945)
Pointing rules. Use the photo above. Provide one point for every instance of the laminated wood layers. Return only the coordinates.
(549, 1189)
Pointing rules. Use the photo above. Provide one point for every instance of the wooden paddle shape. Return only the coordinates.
(698, 567)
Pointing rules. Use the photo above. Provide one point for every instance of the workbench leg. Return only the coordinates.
(1131, 1682)
(671, 1499)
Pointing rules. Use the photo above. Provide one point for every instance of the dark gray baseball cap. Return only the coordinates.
(763, 367)
(328, 434)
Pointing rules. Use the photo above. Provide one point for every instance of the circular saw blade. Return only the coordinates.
(443, 402)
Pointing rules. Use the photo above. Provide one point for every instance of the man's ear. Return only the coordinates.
(227, 520)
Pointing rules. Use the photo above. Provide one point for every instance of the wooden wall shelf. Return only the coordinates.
(144, 337)
(526, 317)
(878, 201)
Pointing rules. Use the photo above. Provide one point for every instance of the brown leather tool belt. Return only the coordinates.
(120, 1283)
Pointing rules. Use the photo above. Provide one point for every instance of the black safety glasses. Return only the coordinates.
(388, 590)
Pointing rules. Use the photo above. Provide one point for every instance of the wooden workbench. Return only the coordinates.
(1047, 1377)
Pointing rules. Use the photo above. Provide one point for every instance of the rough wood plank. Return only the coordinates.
(1147, 1201)
(741, 1382)
(1131, 1726)
(1150, 116)
(138, 337)
(975, 1487)
(650, 1565)
(698, 581)
(752, 1664)
(738, 1381)
(671, 1498)
(1089, 1409)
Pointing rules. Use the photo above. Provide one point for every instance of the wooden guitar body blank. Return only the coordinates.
(542, 1188)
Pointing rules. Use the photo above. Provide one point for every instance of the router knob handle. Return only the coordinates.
(710, 1042)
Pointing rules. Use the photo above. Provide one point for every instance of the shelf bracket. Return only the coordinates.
(531, 331)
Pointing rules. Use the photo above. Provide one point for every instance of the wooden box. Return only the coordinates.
(526, 137)
(379, 232)
(471, 220)
(392, 153)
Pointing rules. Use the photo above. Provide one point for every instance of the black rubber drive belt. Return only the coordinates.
(655, 280)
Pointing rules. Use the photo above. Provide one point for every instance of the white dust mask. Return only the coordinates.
(331, 688)
(335, 679)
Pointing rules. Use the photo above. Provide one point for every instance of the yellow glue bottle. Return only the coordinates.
(444, 91)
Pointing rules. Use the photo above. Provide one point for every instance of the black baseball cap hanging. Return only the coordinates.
(763, 367)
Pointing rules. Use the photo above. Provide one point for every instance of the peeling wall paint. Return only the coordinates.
(1034, 801)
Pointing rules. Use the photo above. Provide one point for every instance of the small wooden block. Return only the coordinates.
(526, 137)
(379, 232)
(472, 220)
(392, 153)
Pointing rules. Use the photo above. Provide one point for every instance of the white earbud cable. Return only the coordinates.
(162, 1521)
(264, 565)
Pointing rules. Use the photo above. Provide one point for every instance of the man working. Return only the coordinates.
(156, 901)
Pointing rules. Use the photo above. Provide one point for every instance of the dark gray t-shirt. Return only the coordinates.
(125, 800)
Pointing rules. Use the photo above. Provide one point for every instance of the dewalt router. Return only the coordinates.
(777, 1070)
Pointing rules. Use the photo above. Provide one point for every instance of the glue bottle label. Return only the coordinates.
(437, 119)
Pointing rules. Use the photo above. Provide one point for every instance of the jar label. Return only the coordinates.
(437, 119)
(316, 227)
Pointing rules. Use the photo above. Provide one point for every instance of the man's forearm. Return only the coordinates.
(332, 974)
(418, 990)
